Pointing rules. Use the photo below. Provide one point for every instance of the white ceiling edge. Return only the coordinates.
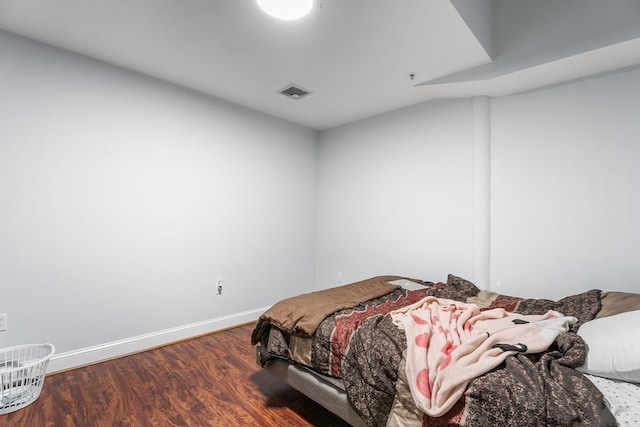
(598, 61)
(615, 57)
(356, 67)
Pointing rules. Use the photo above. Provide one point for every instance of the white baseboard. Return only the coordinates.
(111, 350)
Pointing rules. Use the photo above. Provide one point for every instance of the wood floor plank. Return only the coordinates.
(211, 380)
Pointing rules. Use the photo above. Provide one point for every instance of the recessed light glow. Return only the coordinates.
(286, 9)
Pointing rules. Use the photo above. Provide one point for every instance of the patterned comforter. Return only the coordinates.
(362, 346)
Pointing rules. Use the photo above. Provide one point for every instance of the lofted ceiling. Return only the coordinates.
(358, 58)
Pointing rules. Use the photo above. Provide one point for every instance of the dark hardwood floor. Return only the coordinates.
(211, 380)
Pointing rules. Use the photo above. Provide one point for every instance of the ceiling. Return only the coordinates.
(359, 58)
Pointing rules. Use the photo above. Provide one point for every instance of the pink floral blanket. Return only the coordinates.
(450, 342)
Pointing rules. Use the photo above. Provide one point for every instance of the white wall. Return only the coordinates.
(123, 199)
(566, 188)
(395, 195)
(394, 191)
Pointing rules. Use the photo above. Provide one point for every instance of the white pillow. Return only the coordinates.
(408, 284)
(613, 346)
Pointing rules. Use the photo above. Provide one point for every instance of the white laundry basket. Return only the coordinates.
(22, 372)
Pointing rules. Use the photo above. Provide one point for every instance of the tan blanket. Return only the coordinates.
(301, 315)
(449, 343)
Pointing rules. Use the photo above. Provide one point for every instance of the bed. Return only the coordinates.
(399, 351)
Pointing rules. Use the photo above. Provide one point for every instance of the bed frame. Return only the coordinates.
(326, 391)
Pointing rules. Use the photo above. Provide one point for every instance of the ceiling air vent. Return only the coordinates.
(294, 91)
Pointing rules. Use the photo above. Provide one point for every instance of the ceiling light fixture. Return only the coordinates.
(286, 9)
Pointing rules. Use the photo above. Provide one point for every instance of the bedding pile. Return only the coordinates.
(447, 354)
(449, 343)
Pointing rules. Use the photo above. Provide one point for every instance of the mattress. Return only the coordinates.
(320, 361)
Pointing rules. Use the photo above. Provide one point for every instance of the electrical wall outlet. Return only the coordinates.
(3, 322)
(219, 286)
